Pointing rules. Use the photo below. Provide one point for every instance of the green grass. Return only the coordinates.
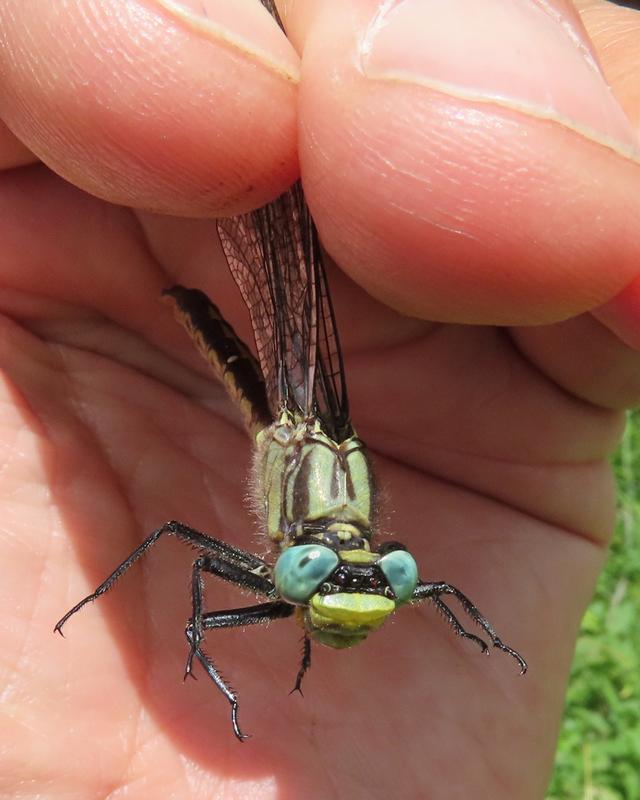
(598, 754)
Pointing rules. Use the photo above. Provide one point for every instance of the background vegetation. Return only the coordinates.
(599, 750)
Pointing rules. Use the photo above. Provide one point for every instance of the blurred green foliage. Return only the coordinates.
(598, 754)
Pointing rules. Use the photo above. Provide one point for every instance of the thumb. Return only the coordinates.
(466, 161)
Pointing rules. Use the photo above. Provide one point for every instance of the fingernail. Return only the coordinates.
(246, 27)
(521, 54)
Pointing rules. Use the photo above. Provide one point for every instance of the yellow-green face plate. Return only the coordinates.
(344, 619)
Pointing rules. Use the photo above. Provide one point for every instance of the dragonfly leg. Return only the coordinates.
(234, 618)
(195, 632)
(230, 570)
(433, 592)
(222, 685)
(194, 538)
(457, 626)
(305, 663)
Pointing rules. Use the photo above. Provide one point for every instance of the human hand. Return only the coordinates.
(491, 442)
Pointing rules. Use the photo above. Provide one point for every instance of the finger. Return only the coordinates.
(466, 161)
(184, 106)
(585, 357)
(622, 315)
(615, 33)
(12, 152)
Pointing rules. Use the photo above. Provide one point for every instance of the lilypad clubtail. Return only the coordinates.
(312, 480)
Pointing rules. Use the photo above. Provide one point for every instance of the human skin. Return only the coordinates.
(490, 213)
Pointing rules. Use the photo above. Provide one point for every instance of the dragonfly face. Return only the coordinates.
(343, 595)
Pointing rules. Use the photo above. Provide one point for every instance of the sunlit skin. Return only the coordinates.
(490, 444)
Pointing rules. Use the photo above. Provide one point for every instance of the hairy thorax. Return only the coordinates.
(306, 484)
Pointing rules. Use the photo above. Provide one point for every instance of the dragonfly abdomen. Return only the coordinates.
(228, 356)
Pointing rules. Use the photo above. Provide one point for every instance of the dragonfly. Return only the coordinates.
(313, 486)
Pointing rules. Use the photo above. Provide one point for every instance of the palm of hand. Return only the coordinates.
(118, 429)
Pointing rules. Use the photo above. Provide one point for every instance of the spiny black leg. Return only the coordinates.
(221, 568)
(234, 618)
(195, 636)
(117, 573)
(249, 615)
(254, 579)
(219, 681)
(304, 664)
(433, 591)
(484, 623)
(451, 618)
(238, 561)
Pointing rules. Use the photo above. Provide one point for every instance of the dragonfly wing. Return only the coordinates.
(275, 258)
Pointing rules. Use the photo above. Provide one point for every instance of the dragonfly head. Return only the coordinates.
(344, 595)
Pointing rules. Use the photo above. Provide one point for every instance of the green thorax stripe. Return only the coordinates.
(229, 357)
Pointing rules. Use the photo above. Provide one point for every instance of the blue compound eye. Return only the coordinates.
(401, 572)
(301, 569)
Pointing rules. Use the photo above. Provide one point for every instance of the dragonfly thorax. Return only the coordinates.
(307, 484)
